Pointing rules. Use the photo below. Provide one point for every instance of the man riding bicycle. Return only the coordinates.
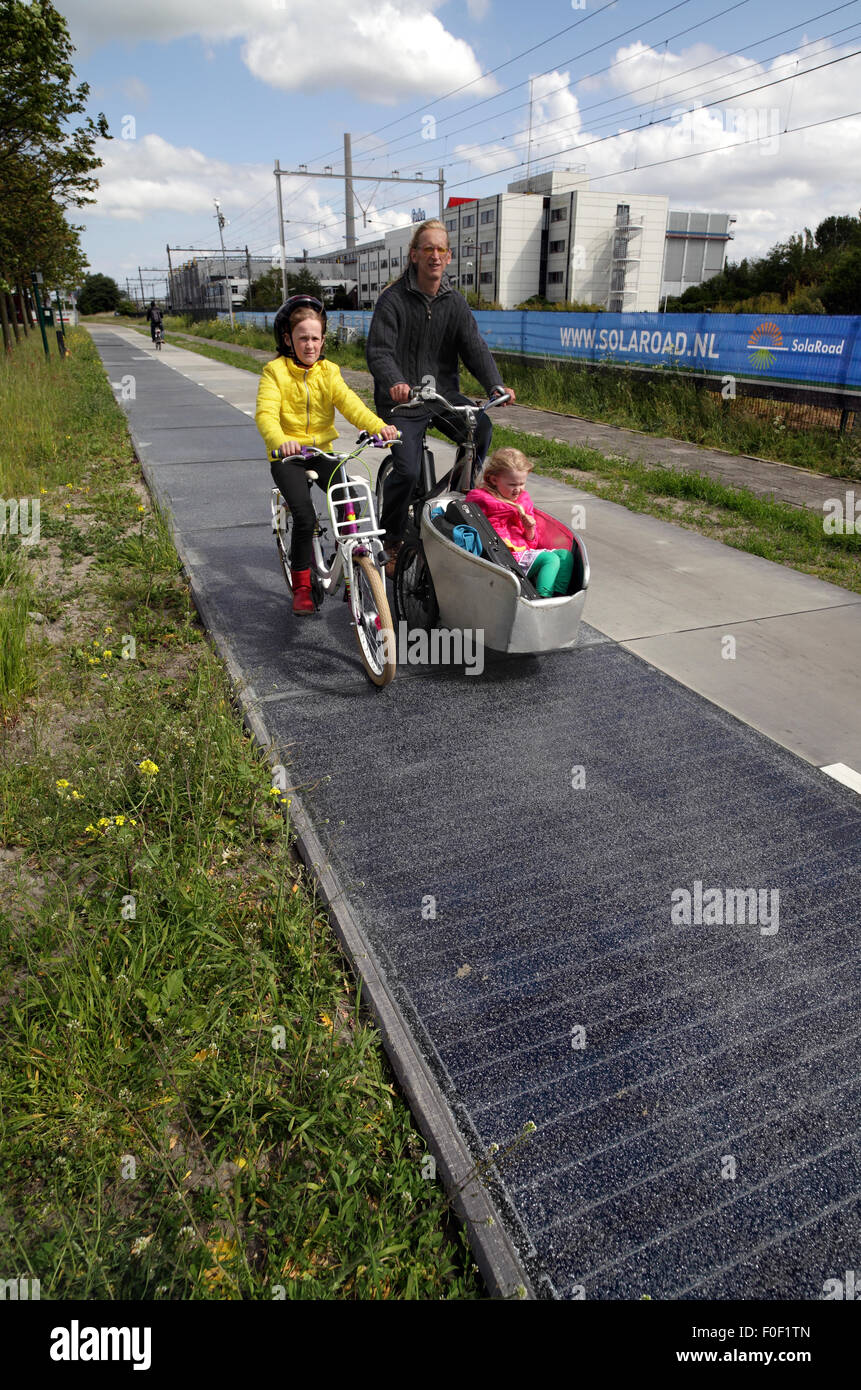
(154, 317)
(421, 327)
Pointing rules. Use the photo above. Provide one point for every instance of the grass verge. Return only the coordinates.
(193, 1102)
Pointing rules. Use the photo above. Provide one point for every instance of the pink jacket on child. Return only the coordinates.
(507, 521)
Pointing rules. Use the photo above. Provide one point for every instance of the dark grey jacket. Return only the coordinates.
(411, 338)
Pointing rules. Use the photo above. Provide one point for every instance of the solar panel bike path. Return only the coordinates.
(584, 898)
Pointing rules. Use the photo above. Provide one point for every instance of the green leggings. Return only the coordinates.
(551, 572)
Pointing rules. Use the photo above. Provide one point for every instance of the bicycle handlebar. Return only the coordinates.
(310, 451)
(421, 394)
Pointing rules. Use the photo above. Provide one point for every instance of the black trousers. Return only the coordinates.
(407, 458)
(290, 477)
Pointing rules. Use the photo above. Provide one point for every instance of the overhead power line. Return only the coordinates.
(635, 130)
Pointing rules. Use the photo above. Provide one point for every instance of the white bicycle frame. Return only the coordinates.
(358, 530)
(360, 534)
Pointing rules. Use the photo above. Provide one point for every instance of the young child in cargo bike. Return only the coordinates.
(296, 404)
(501, 494)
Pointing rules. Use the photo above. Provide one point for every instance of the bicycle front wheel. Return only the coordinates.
(372, 620)
(415, 596)
(282, 529)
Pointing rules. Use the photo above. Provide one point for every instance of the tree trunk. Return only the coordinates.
(13, 317)
(4, 317)
(25, 311)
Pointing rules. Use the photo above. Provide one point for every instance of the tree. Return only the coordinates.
(303, 282)
(265, 292)
(838, 234)
(99, 294)
(44, 166)
(842, 292)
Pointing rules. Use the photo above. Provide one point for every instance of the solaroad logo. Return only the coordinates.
(762, 342)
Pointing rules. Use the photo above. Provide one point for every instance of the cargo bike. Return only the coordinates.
(440, 583)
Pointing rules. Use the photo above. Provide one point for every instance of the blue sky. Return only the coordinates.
(202, 95)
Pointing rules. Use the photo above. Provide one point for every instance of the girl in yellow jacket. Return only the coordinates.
(296, 404)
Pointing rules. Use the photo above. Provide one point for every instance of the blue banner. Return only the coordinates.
(815, 350)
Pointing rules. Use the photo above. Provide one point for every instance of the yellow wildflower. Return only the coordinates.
(148, 767)
(63, 783)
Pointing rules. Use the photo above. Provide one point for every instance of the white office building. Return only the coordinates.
(551, 235)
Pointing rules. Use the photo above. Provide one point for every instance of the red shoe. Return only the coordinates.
(303, 603)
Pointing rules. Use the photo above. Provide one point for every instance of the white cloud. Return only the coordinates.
(774, 185)
(381, 52)
(143, 177)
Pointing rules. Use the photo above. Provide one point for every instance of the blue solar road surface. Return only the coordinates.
(516, 847)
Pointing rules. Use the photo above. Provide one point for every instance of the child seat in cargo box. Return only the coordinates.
(494, 549)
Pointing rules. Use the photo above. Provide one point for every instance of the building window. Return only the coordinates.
(467, 279)
(468, 221)
(395, 261)
(486, 247)
(486, 276)
(557, 246)
(555, 277)
(450, 225)
(488, 216)
(384, 265)
(559, 215)
(365, 287)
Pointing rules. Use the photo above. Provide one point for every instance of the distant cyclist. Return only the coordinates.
(422, 327)
(155, 317)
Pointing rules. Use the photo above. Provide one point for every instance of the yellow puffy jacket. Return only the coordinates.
(295, 402)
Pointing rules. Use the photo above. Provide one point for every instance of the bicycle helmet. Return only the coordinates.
(282, 321)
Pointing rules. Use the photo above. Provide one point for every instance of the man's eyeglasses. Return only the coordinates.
(433, 250)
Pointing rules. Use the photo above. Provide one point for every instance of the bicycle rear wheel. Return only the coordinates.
(372, 620)
(415, 596)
